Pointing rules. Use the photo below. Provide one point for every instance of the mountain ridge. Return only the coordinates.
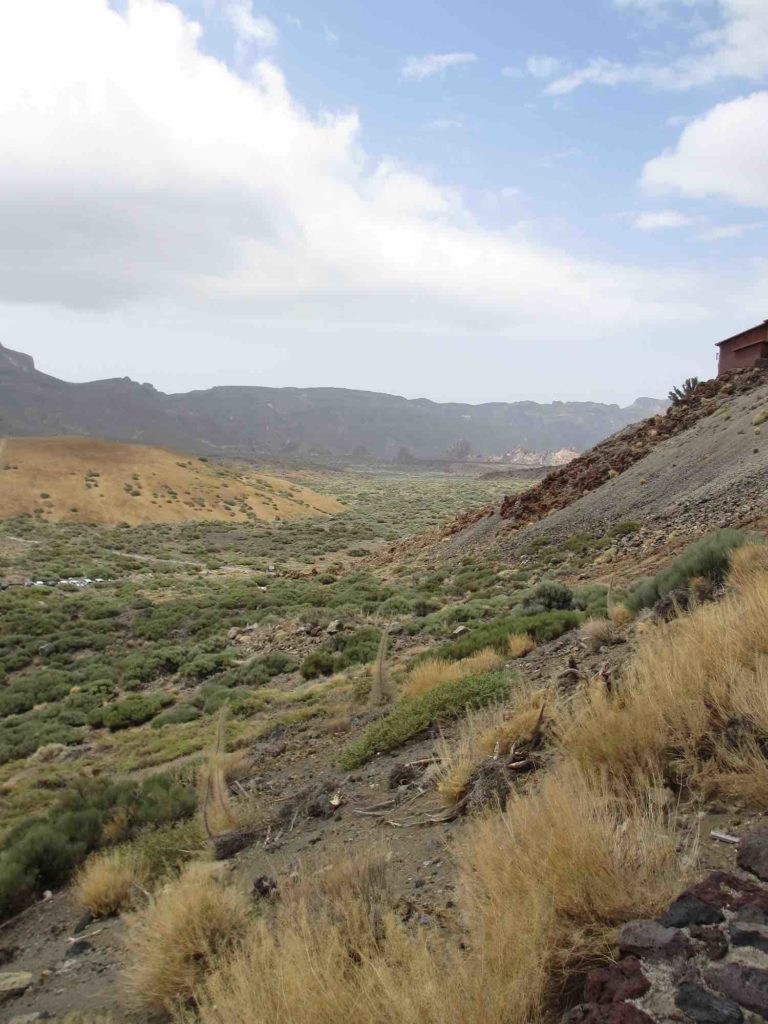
(255, 421)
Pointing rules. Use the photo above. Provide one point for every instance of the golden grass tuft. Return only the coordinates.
(109, 882)
(545, 885)
(619, 615)
(520, 644)
(693, 701)
(597, 633)
(433, 671)
(180, 937)
(746, 563)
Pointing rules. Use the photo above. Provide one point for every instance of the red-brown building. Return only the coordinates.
(750, 348)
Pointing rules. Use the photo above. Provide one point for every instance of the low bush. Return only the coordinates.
(433, 671)
(708, 557)
(411, 715)
(43, 851)
(177, 716)
(178, 938)
(108, 882)
(542, 627)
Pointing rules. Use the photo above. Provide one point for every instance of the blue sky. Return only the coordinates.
(553, 200)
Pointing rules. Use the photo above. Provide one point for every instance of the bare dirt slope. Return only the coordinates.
(700, 467)
(89, 480)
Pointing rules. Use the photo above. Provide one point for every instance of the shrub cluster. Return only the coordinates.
(42, 852)
(708, 557)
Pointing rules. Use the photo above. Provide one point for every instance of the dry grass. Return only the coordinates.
(109, 883)
(334, 951)
(136, 483)
(567, 864)
(520, 644)
(489, 732)
(178, 938)
(434, 671)
(619, 615)
(597, 633)
(695, 700)
(748, 562)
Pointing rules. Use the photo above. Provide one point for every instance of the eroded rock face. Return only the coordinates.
(704, 961)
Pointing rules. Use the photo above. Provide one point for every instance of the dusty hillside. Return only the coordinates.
(88, 480)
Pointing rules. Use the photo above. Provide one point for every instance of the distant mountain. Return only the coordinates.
(267, 422)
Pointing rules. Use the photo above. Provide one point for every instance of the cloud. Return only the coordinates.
(543, 67)
(138, 173)
(723, 153)
(434, 64)
(660, 220)
(249, 28)
(293, 20)
(736, 48)
(723, 232)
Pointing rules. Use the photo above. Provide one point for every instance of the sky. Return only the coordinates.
(465, 201)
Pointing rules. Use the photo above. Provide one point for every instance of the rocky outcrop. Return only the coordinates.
(705, 959)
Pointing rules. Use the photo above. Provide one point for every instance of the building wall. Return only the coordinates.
(745, 350)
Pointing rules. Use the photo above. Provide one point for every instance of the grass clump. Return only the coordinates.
(692, 707)
(520, 644)
(568, 864)
(179, 937)
(108, 882)
(430, 673)
(411, 715)
(708, 558)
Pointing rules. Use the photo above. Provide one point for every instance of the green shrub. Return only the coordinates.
(318, 663)
(543, 626)
(548, 596)
(123, 714)
(177, 716)
(411, 715)
(708, 557)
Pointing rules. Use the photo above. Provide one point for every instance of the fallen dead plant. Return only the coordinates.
(520, 644)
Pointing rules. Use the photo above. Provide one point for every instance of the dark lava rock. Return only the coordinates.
(748, 986)
(705, 1007)
(615, 982)
(651, 939)
(689, 909)
(753, 853)
(611, 1013)
(264, 887)
(83, 923)
(712, 939)
(749, 934)
(751, 914)
(77, 948)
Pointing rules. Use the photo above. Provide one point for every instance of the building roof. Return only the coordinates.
(741, 333)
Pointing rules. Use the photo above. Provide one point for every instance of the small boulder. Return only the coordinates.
(689, 909)
(77, 948)
(748, 986)
(749, 934)
(615, 982)
(459, 631)
(753, 853)
(334, 627)
(46, 650)
(14, 984)
(706, 1008)
(712, 939)
(651, 939)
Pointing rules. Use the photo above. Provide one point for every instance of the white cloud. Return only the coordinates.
(660, 220)
(736, 48)
(250, 29)
(293, 20)
(139, 173)
(543, 67)
(723, 153)
(727, 231)
(330, 37)
(434, 64)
